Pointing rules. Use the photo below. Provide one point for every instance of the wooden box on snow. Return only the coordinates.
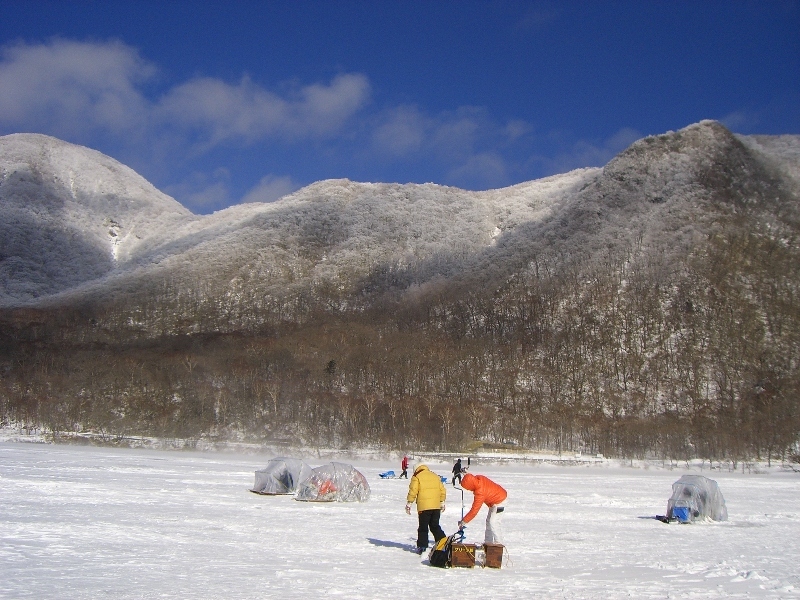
(494, 555)
(463, 555)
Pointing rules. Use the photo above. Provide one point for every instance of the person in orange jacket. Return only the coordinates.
(486, 492)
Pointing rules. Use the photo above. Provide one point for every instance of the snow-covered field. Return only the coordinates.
(86, 522)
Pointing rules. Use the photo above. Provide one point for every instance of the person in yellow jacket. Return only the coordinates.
(427, 490)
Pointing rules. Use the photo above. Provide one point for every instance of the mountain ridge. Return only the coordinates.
(115, 242)
(648, 307)
(107, 230)
(78, 224)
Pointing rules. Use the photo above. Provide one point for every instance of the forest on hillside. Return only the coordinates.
(612, 354)
(600, 331)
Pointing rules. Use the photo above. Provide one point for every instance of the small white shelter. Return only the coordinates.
(281, 476)
(334, 482)
(696, 498)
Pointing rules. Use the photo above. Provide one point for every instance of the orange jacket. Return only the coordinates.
(486, 492)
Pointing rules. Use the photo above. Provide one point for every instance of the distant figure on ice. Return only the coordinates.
(427, 490)
(457, 471)
(486, 492)
(404, 466)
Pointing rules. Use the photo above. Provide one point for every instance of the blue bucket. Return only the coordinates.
(681, 513)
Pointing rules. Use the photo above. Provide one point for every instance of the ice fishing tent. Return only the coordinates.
(334, 482)
(695, 498)
(281, 476)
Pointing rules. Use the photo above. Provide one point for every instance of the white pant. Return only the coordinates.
(493, 524)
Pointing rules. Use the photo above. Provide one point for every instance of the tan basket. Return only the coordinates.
(463, 555)
(494, 555)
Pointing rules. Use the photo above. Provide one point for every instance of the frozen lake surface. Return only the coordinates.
(86, 522)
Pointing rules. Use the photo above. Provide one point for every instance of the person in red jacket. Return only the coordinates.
(404, 466)
(492, 495)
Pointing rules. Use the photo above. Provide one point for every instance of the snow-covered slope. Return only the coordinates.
(72, 216)
(75, 221)
(341, 229)
(781, 150)
(69, 215)
(184, 525)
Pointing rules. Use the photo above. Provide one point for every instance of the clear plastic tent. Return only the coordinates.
(334, 482)
(281, 476)
(696, 498)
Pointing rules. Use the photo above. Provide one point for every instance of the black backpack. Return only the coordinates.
(442, 553)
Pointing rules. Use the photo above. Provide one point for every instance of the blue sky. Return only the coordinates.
(222, 102)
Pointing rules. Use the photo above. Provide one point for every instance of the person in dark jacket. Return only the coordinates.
(457, 471)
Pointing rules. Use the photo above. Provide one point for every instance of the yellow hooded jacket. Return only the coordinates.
(427, 489)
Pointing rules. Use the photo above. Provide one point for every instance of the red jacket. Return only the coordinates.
(404, 464)
(486, 492)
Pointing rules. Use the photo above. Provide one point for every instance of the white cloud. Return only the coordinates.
(585, 153)
(70, 88)
(202, 192)
(452, 136)
(215, 195)
(324, 108)
(739, 120)
(76, 90)
(269, 189)
(457, 134)
(466, 143)
(206, 192)
(402, 131)
(517, 128)
(479, 171)
(66, 87)
(220, 111)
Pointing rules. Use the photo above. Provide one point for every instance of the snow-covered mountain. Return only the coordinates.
(646, 306)
(69, 215)
(75, 221)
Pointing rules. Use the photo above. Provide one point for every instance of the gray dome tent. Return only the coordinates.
(281, 476)
(695, 498)
(334, 482)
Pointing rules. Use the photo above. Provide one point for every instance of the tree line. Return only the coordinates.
(630, 352)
